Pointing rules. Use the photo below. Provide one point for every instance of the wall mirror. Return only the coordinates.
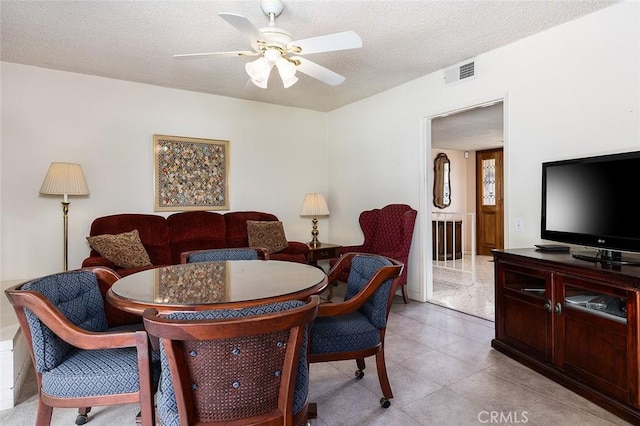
(441, 181)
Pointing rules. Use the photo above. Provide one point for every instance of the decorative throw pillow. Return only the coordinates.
(125, 250)
(268, 234)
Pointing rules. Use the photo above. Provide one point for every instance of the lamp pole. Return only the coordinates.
(65, 226)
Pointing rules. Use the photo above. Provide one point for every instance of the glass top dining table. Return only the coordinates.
(216, 285)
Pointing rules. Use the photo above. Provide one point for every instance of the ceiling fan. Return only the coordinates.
(275, 46)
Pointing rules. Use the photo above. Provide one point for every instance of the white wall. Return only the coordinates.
(570, 91)
(277, 155)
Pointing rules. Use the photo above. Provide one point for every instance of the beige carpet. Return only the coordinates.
(455, 286)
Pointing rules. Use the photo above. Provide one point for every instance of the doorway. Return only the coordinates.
(474, 136)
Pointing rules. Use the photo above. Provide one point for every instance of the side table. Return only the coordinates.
(323, 252)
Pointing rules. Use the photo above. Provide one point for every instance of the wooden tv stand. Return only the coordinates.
(574, 321)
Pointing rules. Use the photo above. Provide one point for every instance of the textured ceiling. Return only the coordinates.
(471, 130)
(402, 40)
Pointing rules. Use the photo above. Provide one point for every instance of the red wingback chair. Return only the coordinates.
(387, 232)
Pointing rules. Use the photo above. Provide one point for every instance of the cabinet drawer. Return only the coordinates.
(331, 251)
(326, 254)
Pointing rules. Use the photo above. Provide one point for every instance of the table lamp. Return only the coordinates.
(314, 205)
(64, 179)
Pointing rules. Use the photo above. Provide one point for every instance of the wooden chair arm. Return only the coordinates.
(343, 263)
(102, 273)
(359, 299)
(68, 331)
(263, 253)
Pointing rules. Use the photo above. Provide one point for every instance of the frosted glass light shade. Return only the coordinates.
(259, 71)
(287, 71)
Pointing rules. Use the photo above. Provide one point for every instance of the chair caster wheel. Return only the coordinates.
(385, 403)
(359, 374)
(82, 419)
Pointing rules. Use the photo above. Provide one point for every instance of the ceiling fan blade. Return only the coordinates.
(245, 26)
(318, 71)
(223, 54)
(327, 43)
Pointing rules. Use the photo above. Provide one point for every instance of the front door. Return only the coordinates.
(490, 201)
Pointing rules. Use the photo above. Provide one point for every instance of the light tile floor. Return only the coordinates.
(442, 369)
(455, 287)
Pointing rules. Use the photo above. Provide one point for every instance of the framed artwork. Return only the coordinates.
(190, 173)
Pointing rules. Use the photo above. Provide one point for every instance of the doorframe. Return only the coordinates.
(425, 292)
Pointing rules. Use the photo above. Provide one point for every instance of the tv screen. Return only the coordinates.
(592, 202)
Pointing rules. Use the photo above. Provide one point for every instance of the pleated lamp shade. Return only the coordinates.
(64, 179)
(314, 205)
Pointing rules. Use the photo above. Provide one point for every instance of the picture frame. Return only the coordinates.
(190, 173)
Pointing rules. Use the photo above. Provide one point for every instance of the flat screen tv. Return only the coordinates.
(592, 202)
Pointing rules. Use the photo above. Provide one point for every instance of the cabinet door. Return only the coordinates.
(593, 341)
(523, 304)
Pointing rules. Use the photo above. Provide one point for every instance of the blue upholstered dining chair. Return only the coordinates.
(355, 327)
(78, 361)
(222, 254)
(246, 366)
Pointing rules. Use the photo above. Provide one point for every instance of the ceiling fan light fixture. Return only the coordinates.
(259, 71)
(287, 71)
(274, 45)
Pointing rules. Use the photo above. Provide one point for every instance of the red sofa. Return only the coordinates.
(166, 238)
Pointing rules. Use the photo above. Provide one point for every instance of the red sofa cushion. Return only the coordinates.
(195, 230)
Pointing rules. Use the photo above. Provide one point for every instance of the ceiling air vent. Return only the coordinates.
(459, 72)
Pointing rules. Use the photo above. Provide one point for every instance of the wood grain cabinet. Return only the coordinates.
(574, 321)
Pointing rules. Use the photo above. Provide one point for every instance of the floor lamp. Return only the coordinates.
(314, 205)
(65, 179)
